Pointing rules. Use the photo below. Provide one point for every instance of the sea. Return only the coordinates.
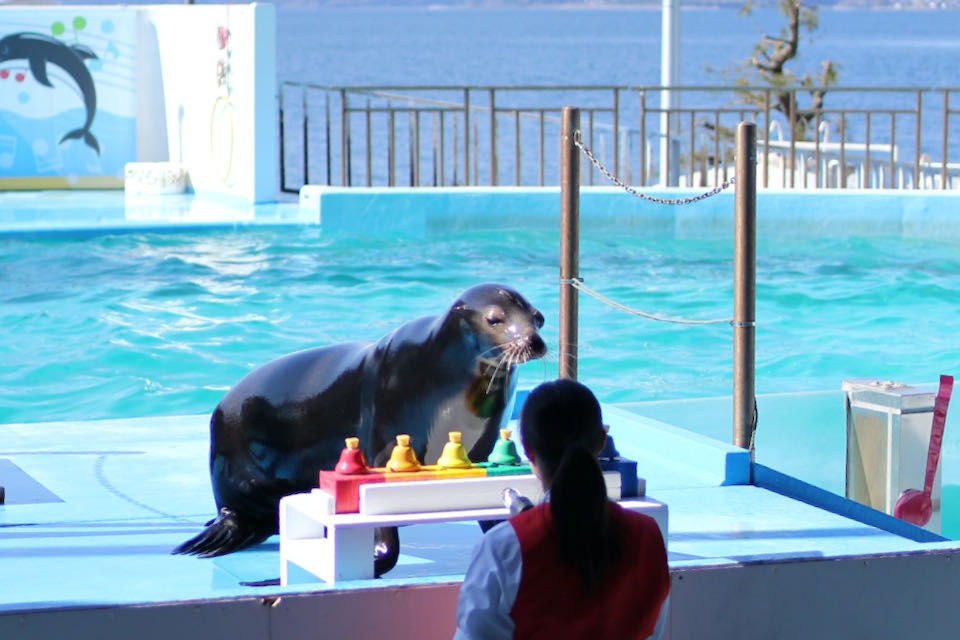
(589, 45)
(578, 45)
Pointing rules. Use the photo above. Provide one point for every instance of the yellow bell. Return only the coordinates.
(504, 451)
(403, 458)
(454, 455)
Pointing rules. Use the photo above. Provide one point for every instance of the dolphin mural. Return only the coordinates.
(40, 51)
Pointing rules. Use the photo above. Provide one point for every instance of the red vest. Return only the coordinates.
(552, 604)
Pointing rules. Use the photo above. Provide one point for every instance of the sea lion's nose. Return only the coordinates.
(537, 346)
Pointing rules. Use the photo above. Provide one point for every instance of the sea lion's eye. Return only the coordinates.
(495, 316)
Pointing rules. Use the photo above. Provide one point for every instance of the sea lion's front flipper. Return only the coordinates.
(226, 533)
(386, 549)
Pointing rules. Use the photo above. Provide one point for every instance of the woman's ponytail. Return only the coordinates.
(578, 503)
(562, 430)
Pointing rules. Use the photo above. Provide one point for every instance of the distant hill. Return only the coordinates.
(733, 4)
(862, 4)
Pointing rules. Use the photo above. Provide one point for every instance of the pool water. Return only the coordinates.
(138, 323)
(141, 323)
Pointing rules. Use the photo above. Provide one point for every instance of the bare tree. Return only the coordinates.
(770, 57)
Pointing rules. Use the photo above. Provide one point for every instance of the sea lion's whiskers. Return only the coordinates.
(551, 357)
(505, 356)
(511, 354)
(497, 348)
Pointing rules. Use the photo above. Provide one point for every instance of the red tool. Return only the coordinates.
(915, 505)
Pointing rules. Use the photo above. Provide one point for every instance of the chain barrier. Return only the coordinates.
(578, 141)
(580, 285)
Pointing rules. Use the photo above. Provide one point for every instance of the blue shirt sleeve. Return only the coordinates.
(661, 619)
(490, 587)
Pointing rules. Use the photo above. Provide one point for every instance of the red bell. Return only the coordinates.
(352, 461)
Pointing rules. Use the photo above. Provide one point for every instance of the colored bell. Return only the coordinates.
(609, 451)
(403, 458)
(352, 460)
(454, 455)
(505, 450)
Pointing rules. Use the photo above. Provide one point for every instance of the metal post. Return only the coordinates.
(643, 138)
(453, 151)
(391, 155)
(283, 171)
(946, 131)
(326, 115)
(843, 153)
(569, 240)
(306, 138)
(440, 178)
(369, 129)
(412, 147)
(893, 157)
(866, 160)
(540, 141)
(494, 169)
(916, 141)
(437, 150)
(793, 140)
(616, 132)
(766, 139)
(344, 132)
(476, 154)
(592, 145)
(745, 286)
(516, 146)
(466, 137)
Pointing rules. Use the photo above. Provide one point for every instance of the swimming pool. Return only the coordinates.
(159, 322)
(148, 322)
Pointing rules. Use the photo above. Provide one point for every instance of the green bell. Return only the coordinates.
(504, 451)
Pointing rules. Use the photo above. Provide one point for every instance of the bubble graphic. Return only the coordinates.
(79, 23)
(57, 28)
(106, 26)
(23, 97)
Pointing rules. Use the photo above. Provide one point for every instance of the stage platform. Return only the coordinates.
(93, 509)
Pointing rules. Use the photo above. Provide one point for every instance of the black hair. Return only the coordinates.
(561, 428)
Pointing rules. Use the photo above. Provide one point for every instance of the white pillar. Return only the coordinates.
(669, 77)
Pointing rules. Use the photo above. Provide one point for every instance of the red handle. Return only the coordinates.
(936, 430)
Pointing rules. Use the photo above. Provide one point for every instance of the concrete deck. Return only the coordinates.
(93, 509)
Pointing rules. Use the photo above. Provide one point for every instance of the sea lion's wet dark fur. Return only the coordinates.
(286, 420)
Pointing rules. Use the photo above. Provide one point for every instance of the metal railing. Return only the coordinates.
(864, 137)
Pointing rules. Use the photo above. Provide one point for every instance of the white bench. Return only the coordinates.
(340, 546)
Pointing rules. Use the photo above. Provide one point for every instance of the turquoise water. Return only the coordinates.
(139, 323)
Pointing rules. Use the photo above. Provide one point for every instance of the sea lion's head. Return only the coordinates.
(502, 323)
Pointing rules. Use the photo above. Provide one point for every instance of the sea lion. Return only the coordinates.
(286, 420)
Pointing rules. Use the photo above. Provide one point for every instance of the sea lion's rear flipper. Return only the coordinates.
(226, 533)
